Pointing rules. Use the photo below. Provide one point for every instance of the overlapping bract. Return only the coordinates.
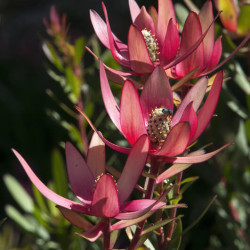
(97, 191)
(142, 54)
(188, 122)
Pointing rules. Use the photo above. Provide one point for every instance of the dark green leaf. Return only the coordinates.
(59, 173)
(79, 49)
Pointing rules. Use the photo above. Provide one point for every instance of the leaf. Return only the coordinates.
(229, 15)
(241, 139)
(157, 225)
(59, 173)
(247, 127)
(42, 219)
(176, 237)
(181, 14)
(233, 103)
(240, 77)
(188, 182)
(16, 216)
(190, 179)
(79, 49)
(74, 83)
(243, 20)
(39, 200)
(19, 194)
(52, 55)
(200, 217)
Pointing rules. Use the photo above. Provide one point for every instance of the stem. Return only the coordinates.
(159, 213)
(82, 129)
(150, 190)
(171, 226)
(106, 236)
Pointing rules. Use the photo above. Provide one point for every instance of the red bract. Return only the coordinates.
(152, 114)
(208, 54)
(97, 191)
(153, 38)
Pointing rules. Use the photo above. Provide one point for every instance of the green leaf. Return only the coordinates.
(19, 194)
(176, 237)
(247, 127)
(181, 14)
(74, 84)
(75, 135)
(53, 211)
(157, 225)
(42, 219)
(241, 139)
(243, 20)
(233, 103)
(190, 179)
(39, 200)
(16, 216)
(52, 55)
(200, 217)
(79, 49)
(187, 183)
(240, 77)
(59, 173)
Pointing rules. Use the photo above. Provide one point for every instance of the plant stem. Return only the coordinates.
(150, 190)
(171, 226)
(106, 236)
(159, 213)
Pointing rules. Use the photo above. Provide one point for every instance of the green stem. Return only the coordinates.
(159, 213)
(171, 226)
(150, 190)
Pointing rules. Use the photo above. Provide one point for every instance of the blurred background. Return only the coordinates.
(35, 75)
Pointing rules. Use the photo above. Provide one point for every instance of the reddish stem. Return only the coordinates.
(150, 189)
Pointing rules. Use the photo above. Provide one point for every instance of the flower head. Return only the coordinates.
(153, 38)
(152, 113)
(97, 191)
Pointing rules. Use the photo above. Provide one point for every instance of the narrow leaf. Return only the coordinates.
(19, 194)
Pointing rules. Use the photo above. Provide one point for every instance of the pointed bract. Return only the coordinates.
(80, 176)
(132, 122)
(133, 168)
(105, 198)
(156, 93)
(176, 141)
(138, 53)
(191, 33)
(49, 194)
(96, 148)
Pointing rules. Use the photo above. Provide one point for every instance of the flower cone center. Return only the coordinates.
(151, 44)
(159, 126)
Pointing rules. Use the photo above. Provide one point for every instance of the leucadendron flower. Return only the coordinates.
(98, 193)
(153, 38)
(152, 114)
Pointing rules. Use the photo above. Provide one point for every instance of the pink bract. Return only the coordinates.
(153, 38)
(187, 123)
(97, 191)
